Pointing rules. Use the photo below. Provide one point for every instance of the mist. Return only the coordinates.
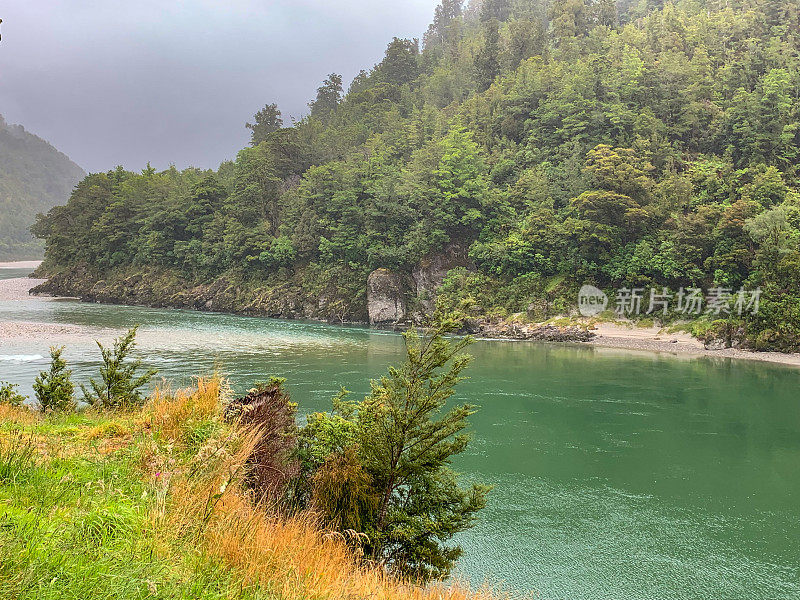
(119, 83)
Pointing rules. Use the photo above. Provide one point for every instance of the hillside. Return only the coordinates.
(34, 177)
(524, 148)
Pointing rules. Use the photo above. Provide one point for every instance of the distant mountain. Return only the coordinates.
(34, 177)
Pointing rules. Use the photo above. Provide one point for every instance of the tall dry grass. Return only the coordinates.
(173, 414)
(207, 506)
(18, 415)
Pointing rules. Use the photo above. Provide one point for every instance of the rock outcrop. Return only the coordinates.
(386, 297)
(429, 274)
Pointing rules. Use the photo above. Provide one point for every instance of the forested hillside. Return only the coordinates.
(529, 146)
(34, 177)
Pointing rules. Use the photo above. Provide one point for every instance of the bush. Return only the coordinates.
(273, 463)
(386, 472)
(9, 394)
(54, 388)
(120, 385)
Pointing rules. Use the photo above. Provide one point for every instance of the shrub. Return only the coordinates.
(9, 394)
(270, 414)
(386, 472)
(54, 388)
(406, 443)
(120, 385)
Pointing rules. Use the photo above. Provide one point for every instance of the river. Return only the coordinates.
(617, 475)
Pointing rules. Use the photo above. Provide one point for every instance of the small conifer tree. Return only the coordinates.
(385, 461)
(9, 394)
(54, 388)
(407, 442)
(120, 382)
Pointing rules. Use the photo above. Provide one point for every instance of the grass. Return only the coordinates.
(149, 504)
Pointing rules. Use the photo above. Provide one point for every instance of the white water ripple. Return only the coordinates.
(20, 358)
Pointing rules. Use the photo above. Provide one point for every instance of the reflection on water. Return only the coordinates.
(616, 475)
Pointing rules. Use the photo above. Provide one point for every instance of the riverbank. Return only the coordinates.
(602, 335)
(109, 504)
(21, 264)
(653, 339)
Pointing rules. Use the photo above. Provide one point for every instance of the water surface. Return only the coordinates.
(617, 475)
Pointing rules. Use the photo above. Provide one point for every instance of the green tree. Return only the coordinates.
(268, 120)
(54, 388)
(570, 22)
(329, 95)
(605, 12)
(461, 183)
(400, 66)
(497, 10)
(444, 14)
(525, 38)
(9, 394)
(406, 445)
(487, 61)
(120, 381)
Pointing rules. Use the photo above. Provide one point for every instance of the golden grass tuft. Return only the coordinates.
(17, 415)
(291, 557)
(110, 430)
(207, 506)
(173, 414)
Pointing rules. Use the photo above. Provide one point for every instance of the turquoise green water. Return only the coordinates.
(618, 475)
(12, 273)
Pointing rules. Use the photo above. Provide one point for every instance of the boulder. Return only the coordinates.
(429, 274)
(386, 302)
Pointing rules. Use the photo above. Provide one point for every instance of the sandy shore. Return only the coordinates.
(22, 264)
(652, 339)
(21, 330)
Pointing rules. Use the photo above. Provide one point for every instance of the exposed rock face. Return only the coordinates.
(429, 274)
(386, 297)
(386, 301)
(285, 298)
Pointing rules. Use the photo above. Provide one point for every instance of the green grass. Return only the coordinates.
(75, 519)
(151, 504)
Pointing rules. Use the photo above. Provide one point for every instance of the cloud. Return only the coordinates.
(118, 82)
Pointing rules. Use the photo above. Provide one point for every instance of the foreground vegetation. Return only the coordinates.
(193, 494)
(537, 144)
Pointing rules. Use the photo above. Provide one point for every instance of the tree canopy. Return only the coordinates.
(633, 144)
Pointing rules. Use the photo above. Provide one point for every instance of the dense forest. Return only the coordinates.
(34, 177)
(524, 146)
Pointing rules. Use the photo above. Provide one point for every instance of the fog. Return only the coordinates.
(117, 82)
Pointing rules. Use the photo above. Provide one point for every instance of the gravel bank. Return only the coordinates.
(21, 264)
(17, 289)
(653, 340)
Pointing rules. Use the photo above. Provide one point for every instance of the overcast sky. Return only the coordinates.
(113, 82)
